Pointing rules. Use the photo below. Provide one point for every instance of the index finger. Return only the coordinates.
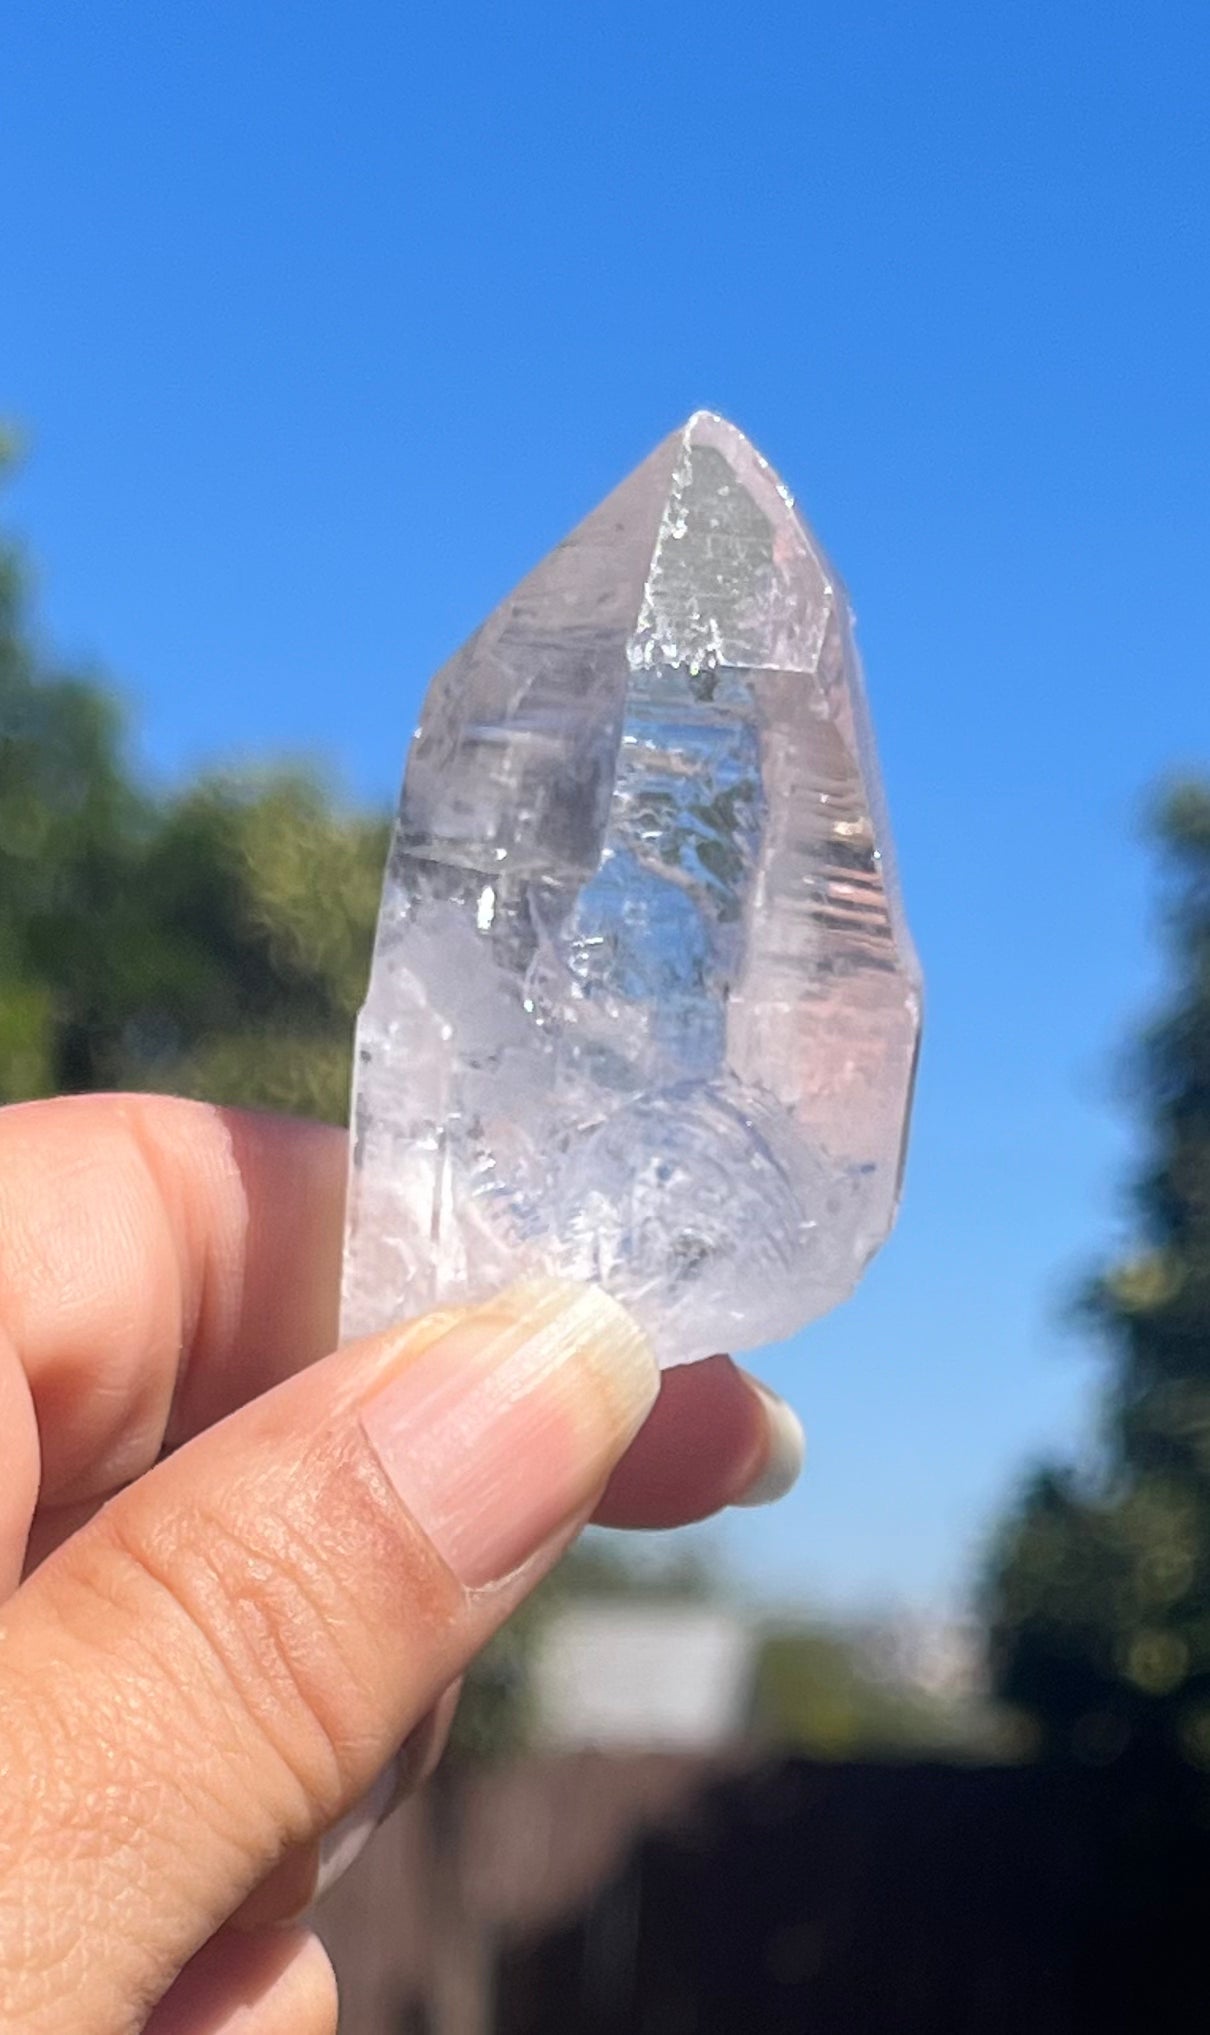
(160, 1263)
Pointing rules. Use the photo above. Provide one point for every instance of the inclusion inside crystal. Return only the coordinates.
(644, 1008)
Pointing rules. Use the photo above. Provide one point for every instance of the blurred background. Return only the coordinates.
(317, 328)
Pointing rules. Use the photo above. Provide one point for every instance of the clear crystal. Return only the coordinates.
(644, 1008)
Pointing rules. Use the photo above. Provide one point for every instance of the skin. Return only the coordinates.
(197, 1549)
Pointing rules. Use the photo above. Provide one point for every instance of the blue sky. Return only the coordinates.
(326, 322)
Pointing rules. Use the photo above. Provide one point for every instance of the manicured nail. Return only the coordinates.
(346, 1841)
(787, 1450)
(412, 1765)
(502, 1431)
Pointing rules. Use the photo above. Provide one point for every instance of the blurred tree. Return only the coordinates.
(1099, 1590)
(72, 829)
(263, 894)
(214, 943)
(818, 1692)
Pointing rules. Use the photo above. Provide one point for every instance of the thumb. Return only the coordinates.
(215, 1668)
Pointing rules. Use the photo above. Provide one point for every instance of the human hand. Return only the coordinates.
(253, 1571)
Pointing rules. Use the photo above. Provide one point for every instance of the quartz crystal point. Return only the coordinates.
(644, 1008)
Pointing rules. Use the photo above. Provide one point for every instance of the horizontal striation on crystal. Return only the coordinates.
(643, 1007)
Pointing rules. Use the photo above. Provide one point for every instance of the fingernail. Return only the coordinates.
(502, 1430)
(411, 1767)
(787, 1450)
(346, 1841)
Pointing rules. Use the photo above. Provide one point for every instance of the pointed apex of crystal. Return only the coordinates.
(734, 578)
(644, 1007)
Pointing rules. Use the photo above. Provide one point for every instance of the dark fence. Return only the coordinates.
(664, 1898)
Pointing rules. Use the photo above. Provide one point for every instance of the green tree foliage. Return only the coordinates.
(214, 942)
(1099, 1591)
(817, 1692)
(263, 894)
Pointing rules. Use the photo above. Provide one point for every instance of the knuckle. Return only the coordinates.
(264, 1633)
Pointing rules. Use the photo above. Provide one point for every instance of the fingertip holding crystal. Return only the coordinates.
(785, 1451)
(644, 1007)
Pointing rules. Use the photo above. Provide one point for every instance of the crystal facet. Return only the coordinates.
(644, 1007)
